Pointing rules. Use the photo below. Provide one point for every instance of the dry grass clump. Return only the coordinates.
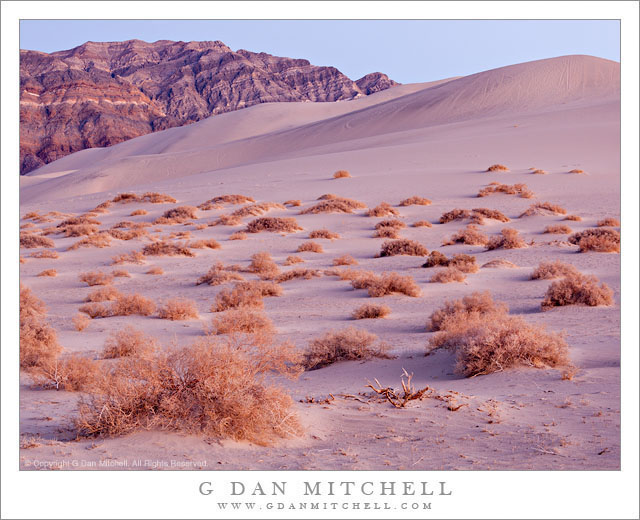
(106, 293)
(128, 304)
(80, 220)
(265, 288)
(28, 225)
(538, 171)
(73, 373)
(454, 214)
(248, 321)
(238, 235)
(343, 345)
(312, 247)
(120, 273)
(80, 322)
(263, 265)
(296, 273)
(101, 239)
(201, 244)
(323, 233)
(293, 259)
(227, 220)
(386, 232)
(544, 208)
(273, 225)
(575, 218)
(497, 168)
(139, 212)
(499, 263)
(422, 223)
(256, 209)
(607, 222)
(38, 341)
(522, 190)
(179, 234)
(329, 196)
(178, 215)
(46, 253)
(345, 260)
(30, 241)
(461, 262)
(600, 240)
(132, 234)
(341, 174)
(550, 270)
(476, 305)
(509, 238)
(126, 198)
(383, 209)
(558, 229)
(130, 224)
(403, 247)
(383, 285)
(150, 196)
(334, 204)
(135, 257)
(155, 270)
(48, 272)
(436, 258)
(415, 200)
(470, 235)
(215, 387)
(128, 342)
(293, 202)
(370, 311)
(215, 202)
(448, 275)
(79, 230)
(218, 275)
(481, 213)
(238, 296)
(576, 170)
(164, 248)
(178, 309)
(95, 278)
(95, 310)
(391, 223)
(577, 289)
(31, 215)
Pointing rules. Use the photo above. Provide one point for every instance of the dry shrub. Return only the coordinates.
(470, 235)
(499, 263)
(238, 296)
(297, 272)
(31, 215)
(215, 202)
(481, 213)
(383, 209)
(577, 289)
(263, 265)
(100, 240)
(227, 220)
(178, 309)
(23, 260)
(447, 275)
(415, 200)
(544, 208)
(215, 387)
(464, 263)
(238, 235)
(293, 203)
(103, 294)
(600, 240)
(79, 230)
(329, 196)
(73, 373)
(341, 174)
(497, 168)
(378, 286)
(139, 212)
(180, 234)
(95, 278)
(538, 171)
(509, 238)
(607, 222)
(436, 258)
(576, 170)
(164, 248)
(273, 225)
(522, 190)
(157, 198)
(370, 311)
(201, 244)
(422, 223)
(48, 272)
(95, 310)
(253, 210)
(243, 320)
(28, 225)
(178, 215)
(38, 341)
(334, 204)
(403, 247)
(129, 224)
(131, 234)
(475, 305)
(46, 253)
(386, 232)
(265, 288)
(455, 214)
(128, 304)
(102, 207)
(128, 342)
(343, 345)
(135, 257)
(30, 241)
(345, 260)
(80, 322)
(550, 270)
(311, 247)
(126, 198)
(575, 218)
(200, 227)
(218, 275)
(293, 259)
(558, 229)
(155, 270)
(120, 273)
(79, 221)
(391, 223)
(323, 233)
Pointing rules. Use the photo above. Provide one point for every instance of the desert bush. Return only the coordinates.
(201, 244)
(522, 190)
(95, 310)
(543, 208)
(293, 259)
(500, 263)
(48, 272)
(128, 304)
(509, 238)
(403, 247)
(178, 309)
(256, 209)
(576, 170)
(273, 225)
(45, 253)
(38, 341)
(382, 285)
(130, 224)
(454, 214)
(78, 221)
(370, 311)
(497, 168)
(297, 272)
(126, 198)
(248, 321)
(330, 196)
(538, 171)
(476, 305)
(341, 174)
(178, 215)
(391, 223)
(263, 265)
(558, 229)
(343, 345)
(334, 204)
(345, 260)
(293, 203)
(227, 220)
(264, 287)
(101, 240)
(72, 373)
(135, 257)
(157, 198)
(164, 248)
(323, 233)
(236, 297)
(436, 258)
(479, 214)
(120, 273)
(80, 322)
(464, 263)
(600, 240)
(415, 200)
(225, 199)
(386, 232)
(132, 234)
(422, 223)
(139, 212)
(106, 293)
(155, 270)
(550, 270)
(470, 235)
(577, 289)
(218, 275)
(27, 225)
(30, 241)
(311, 247)
(607, 222)
(448, 275)
(575, 218)
(128, 342)
(383, 209)
(79, 230)
(95, 278)
(238, 235)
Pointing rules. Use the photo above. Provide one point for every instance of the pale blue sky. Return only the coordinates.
(407, 50)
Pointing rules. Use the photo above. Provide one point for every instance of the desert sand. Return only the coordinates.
(433, 140)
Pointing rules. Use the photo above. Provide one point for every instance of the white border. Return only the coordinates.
(476, 494)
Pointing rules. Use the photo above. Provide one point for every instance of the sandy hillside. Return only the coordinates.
(432, 140)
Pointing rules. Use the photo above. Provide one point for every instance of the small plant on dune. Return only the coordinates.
(95, 278)
(607, 222)
(341, 174)
(131, 234)
(164, 248)
(100, 240)
(238, 296)
(479, 214)
(238, 235)
(135, 257)
(382, 285)
(201, 244)
(311, 247)
(543, 208)
(106, 293)
(45, 253)
(178, 215)
(343, 345)
(383, 209)
(575, 218)
(522, 190)
(509, 238)
(218, 274)
(128, 304)
(256, 209)
(454, 214)
(323, 233)
(558, 229)
(95, 310)
(273, 225)
(600, 240)
(263, 265)
(500, 263)
(126, 198)
(128, 342)
(120, 273)
(263, 287)
(215, 202)
(248, 321)
(422, 223)
(80, 322)
(538, 171)
(464, 263)
(30, 241)
(550, 270)
(345, 260)
(576, 170)
(48, 272)
(178, 309)
(293, 259)
(139, 212)
(78, 221)
(470, 235)
(436, 258)
(179, 234)
(403, 247)
(497, 168)
(334, 204)
(370, 311)
(415, 201)
(386, 232)
(296, 273)
(72, 373)
(79, 230)
(157, 198)
(577, 289)
(391, 223)
(475, 305)
(409, 392)
(155, 270)
(130, 224)
(226, 220)
(293, 203)
(38, 341)
(448, 275)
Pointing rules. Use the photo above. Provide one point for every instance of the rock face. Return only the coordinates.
(100, 94)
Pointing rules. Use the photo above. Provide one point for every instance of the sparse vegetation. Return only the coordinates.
(607, 222)
(95, 278)
(120, 273)
(382, 285)
(345, 260)
(238, 235)
(227, 220)
(470, 235)
(48, 272)
(343, 345)
(500, 263)
(370, 311)
(576, 170)
(334, 204)
(575, 218)
(311, 247)
(538, 171)
(209, 243)
(106, 293)
(139, 212)
(128, 304)
(128, 342)
(341, 174)
(403, 247)
(550, 270)
(323, 233)
(155, 270)
(422, 223)
(100, 240)
(178, 215)
(31, 241)
(178, 309)
(248, 321)
(38, 341)
(256, 209)
(263, 265)
(509, 238)
(600, 240)
(521, 190)
(215, 202)
(80, 322)
(273, 225)
(448, 275)
(45, 253)
(293, 203)
(297, 272)
(384, 209)
(577, 289)
(238, 296)
(386, 232)
(135, 257)
(218, 275)
(558, 229)
(293, 259)
(415, 200)
(543, 208)
(164, 248)
(497, 168)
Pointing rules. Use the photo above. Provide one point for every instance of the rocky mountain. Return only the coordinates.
(100, 94)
